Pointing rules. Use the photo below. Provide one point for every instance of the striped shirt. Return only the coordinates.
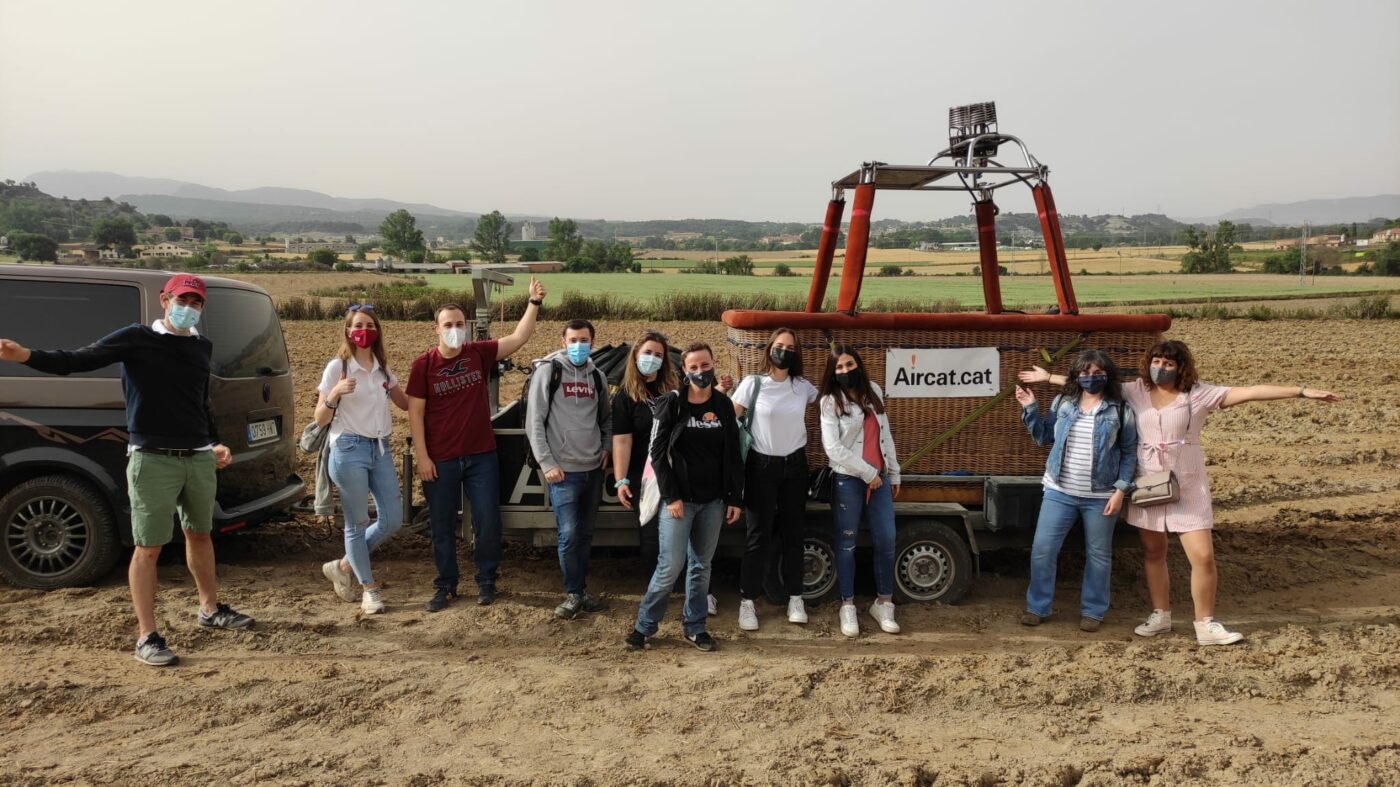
(1077, 467)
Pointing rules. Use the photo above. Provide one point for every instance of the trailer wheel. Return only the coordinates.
(818, 565)
(931, 563)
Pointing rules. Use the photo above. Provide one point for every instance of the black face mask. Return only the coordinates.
(1093, 383)
(849, 379)
(782, 358)
(703, 379)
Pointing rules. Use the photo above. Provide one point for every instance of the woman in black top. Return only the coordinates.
(647, 377)
(695, 455)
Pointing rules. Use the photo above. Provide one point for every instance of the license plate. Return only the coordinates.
(262, 430)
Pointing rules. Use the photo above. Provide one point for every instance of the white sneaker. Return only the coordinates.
(850, 620)
(797, 610)
(748, 616)
(1212, 632)
(1159, 622)
(371, 603)
(713, 604)
(883, 612)
(342, 581)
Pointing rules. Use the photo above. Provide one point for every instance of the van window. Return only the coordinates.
(63, 315)
(247, 337)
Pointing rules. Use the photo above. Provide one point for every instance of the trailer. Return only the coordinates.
(970, 473)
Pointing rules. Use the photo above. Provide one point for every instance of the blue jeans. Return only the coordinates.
(575, 501)
(479, 477)
(688, 542)
(848, 507)
(1057, 514)
(360, 467)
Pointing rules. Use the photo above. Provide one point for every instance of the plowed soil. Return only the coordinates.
(1308, 536)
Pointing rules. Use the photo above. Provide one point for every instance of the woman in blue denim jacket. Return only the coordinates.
(1093, 454)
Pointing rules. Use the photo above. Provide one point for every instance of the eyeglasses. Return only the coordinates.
(360, 307)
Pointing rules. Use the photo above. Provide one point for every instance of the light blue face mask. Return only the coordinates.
(183, 317)
(578, 353)
(648, 364)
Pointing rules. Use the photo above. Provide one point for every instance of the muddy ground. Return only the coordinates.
(1308, 514)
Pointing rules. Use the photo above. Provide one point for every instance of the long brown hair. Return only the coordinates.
(794, 370)
(634, 383)
(1171, 350)
(862, 394)
(347, 349)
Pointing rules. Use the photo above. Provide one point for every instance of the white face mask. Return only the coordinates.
(454, 337)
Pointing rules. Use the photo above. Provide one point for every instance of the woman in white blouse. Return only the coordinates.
(775, 485)
(355, 392)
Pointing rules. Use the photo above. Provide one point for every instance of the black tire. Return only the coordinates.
(56, 531)
(931, 563)
(818, 565)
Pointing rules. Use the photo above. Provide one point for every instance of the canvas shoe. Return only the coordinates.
(1159, 622)
(371, 603)
(748, 616)
(151, 649)
(883, 612)
(850, 620)
(342, 581)
(797, 610)
(702, 641)
(1212, 632)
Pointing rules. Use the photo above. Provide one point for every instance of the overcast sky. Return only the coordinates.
(650, 110)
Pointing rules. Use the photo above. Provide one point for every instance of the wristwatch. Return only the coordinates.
(539, 302)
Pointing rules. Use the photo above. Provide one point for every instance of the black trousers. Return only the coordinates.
(775, 496)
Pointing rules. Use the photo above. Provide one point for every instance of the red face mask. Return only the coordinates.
(363, 337)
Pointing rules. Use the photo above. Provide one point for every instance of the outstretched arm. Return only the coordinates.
(1268, 393)
(1039, 375)
(526, 327)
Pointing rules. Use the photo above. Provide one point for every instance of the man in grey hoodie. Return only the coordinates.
(569, 424)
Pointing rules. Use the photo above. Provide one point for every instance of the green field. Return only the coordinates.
(967, 290)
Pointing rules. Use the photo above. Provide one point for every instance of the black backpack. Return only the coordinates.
(556, 374)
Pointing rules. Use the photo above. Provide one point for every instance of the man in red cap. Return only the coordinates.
(174, 449)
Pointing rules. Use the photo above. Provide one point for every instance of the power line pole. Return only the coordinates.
(1303, 253)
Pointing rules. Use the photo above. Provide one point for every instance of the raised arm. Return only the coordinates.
(1268, 393)
(110, 349)
(524, 329)
(1039, 375)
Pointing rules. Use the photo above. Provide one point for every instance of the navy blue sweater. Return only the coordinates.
(165, 379)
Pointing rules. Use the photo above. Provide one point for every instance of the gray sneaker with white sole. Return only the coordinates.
(151, 649)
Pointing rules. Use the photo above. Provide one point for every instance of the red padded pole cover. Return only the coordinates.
(1055, 247)
(987, 245)
(826, 250)
(857, 243)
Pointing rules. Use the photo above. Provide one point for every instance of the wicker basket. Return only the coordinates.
(997, 443)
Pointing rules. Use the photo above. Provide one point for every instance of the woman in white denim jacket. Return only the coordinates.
(860, 450)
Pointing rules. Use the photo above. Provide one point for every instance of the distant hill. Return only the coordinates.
(96, 185)
(26, 208)
(1316, 211)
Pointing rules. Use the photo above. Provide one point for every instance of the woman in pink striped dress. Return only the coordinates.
(1171, 406)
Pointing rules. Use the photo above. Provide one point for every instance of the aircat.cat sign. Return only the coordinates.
(966, 372)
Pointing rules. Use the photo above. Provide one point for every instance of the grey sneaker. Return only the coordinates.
(571, 606)
(576, 604)
(151, 649)
(224, 617)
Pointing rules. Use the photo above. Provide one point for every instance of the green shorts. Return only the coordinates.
(159, 486)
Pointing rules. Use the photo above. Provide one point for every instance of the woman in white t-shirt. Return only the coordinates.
(355, 391)
(775, 474)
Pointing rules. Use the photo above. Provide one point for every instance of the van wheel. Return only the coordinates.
(55, 531)
(818, 565)
(931, 563)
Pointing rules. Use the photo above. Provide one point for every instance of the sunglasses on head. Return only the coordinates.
(360, 307)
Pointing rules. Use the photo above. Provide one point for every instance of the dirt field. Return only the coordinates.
(1308, 510)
